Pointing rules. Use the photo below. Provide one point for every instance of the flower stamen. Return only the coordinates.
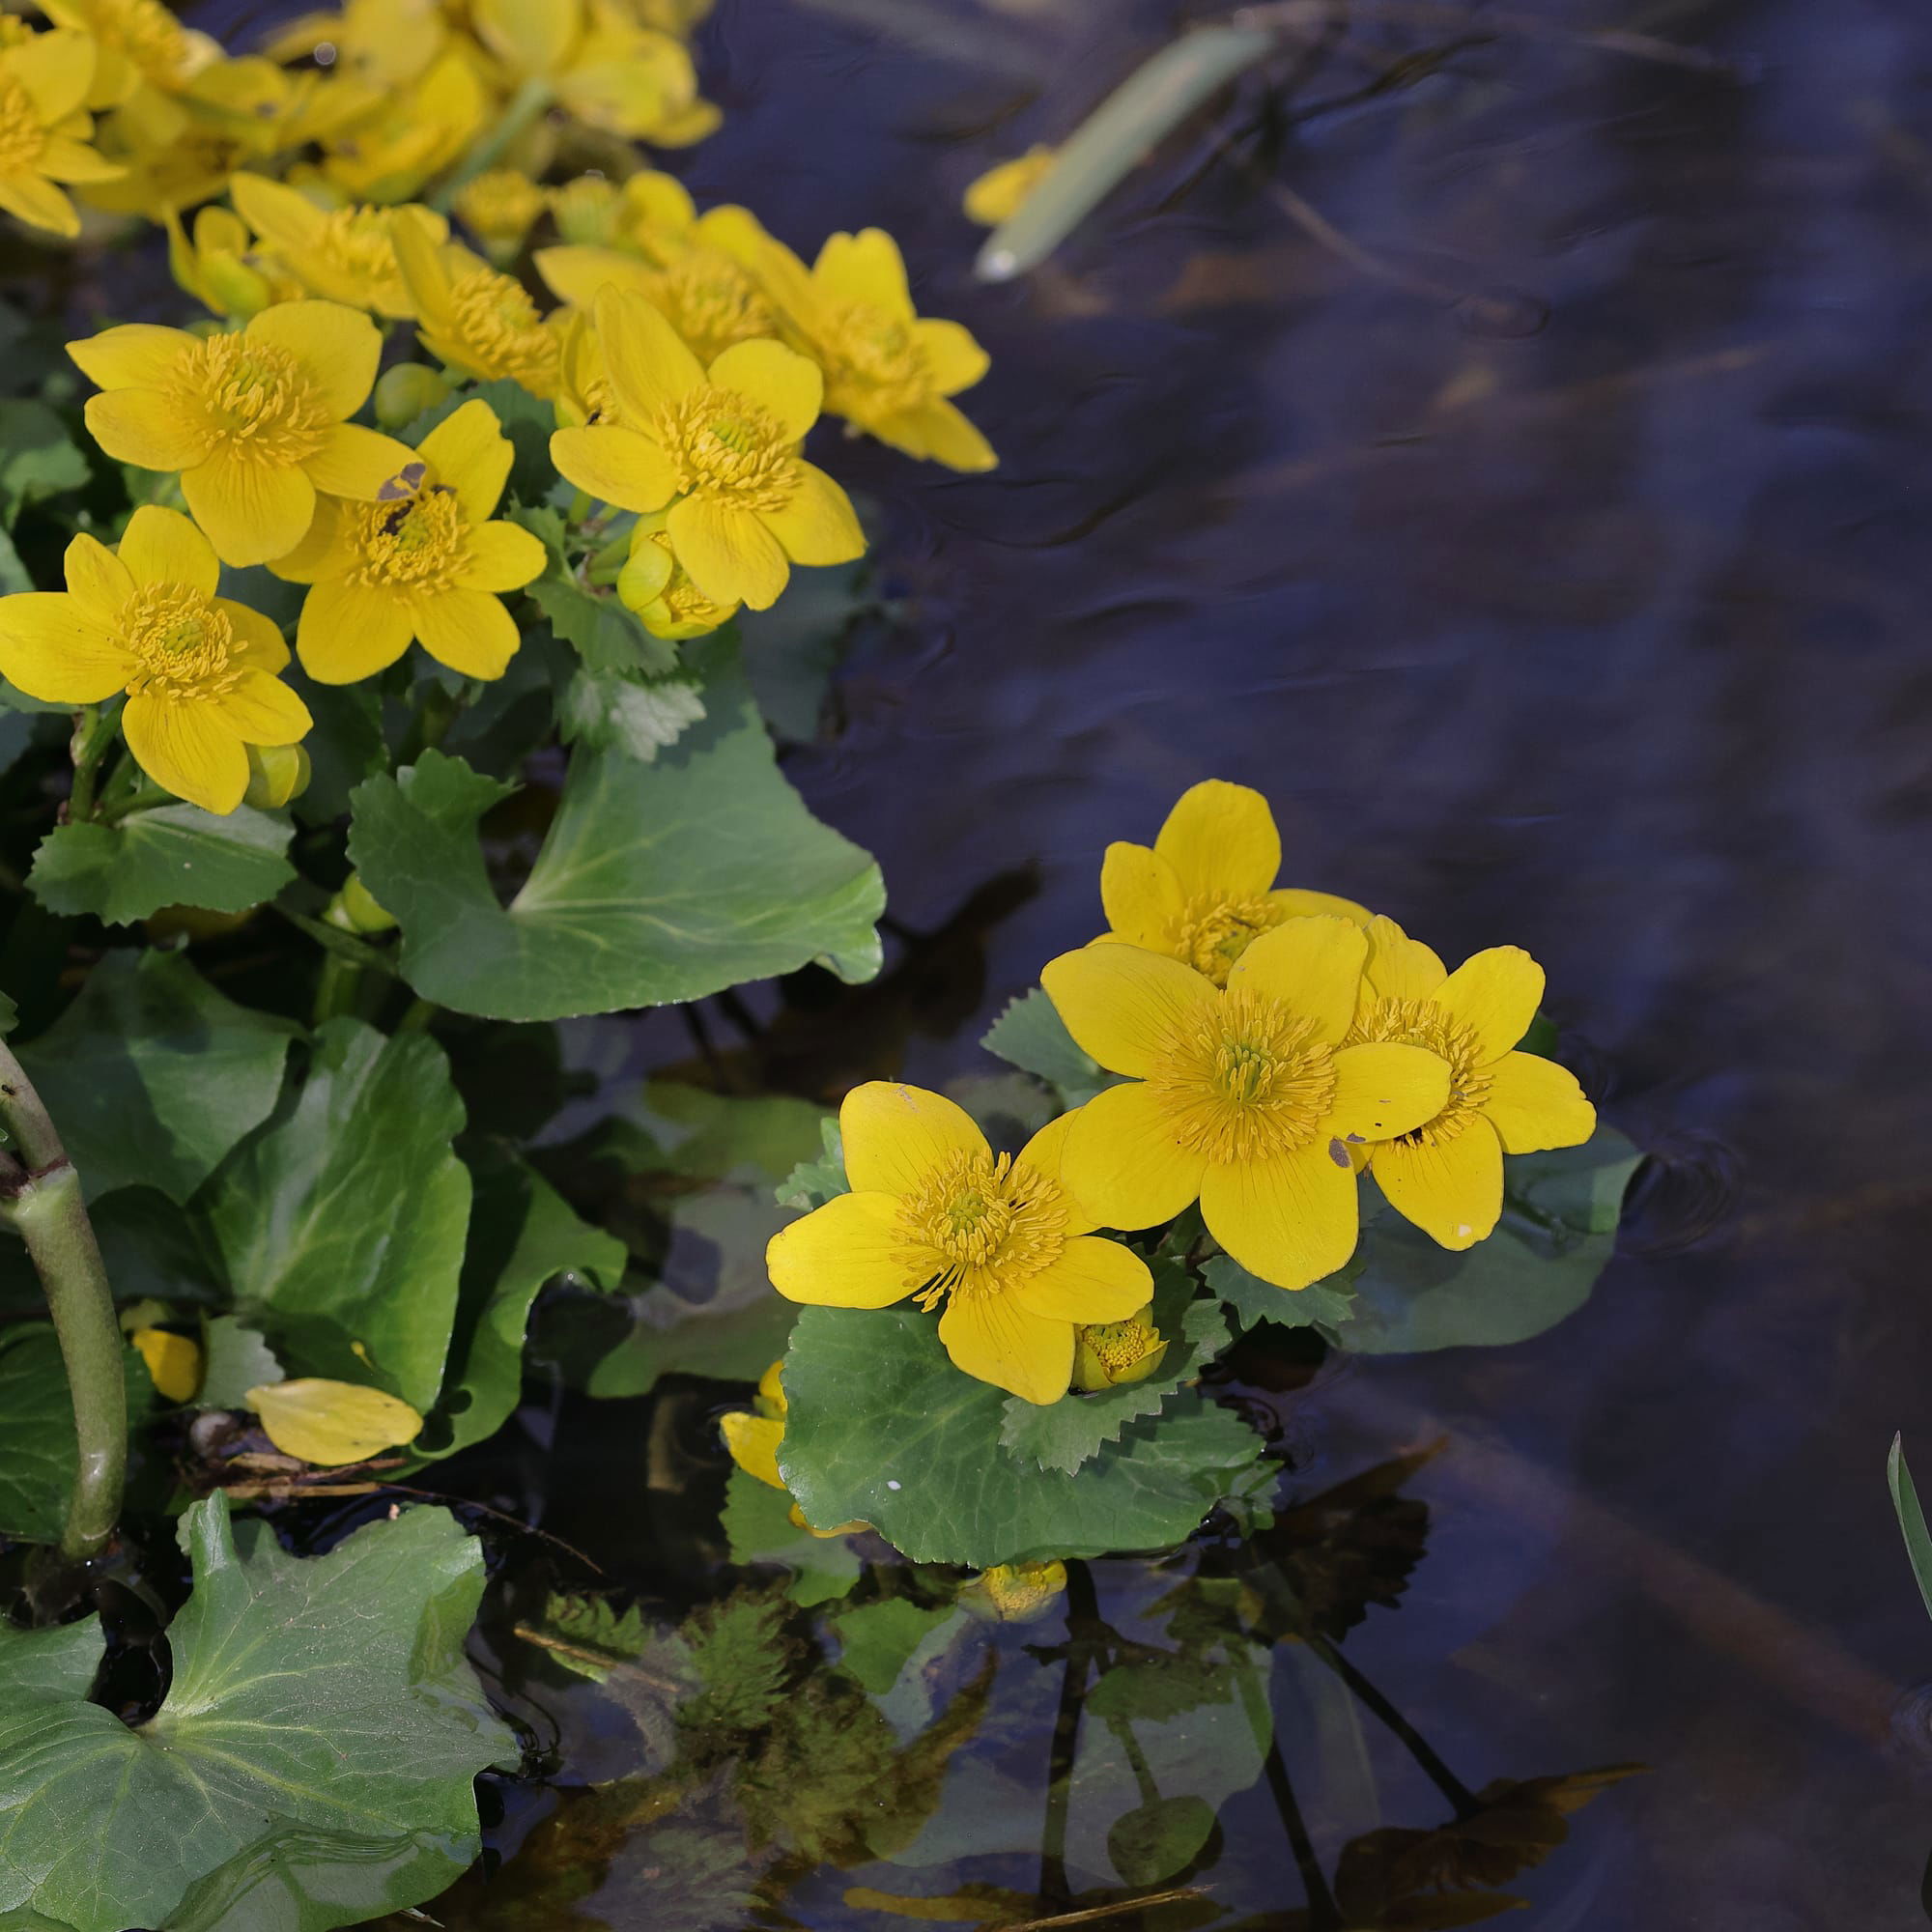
(978, 1223)
(1424, 1023)
(1246, 1080)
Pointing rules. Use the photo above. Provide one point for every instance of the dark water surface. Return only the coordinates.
(1588, 611)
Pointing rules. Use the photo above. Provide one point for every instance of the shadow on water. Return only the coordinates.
(1554, 557)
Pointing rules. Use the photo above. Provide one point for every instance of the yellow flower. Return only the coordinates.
(478, 320)
(174, 1362)
(659, 588)
(754, 1436)
(720, 447)
(1014, 1593)
(648, 214)
(586, 210)
(709, 297)
(1110, 1354)
(1243, 1098)
(417, 131)
(199, 670)
(223, 269)
(500, 209)
(332, 1423)
(255, 422)
(343, 254)
(1446, 1174)
(887, 369)
(934, 1212)
(145, 55)
(424, 560)
(1207, 886)
(1001, 192)
(44, 130)
(385, 45)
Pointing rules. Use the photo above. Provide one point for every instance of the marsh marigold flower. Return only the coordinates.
(44, 130)
(500, 209)
(887, 368)
(659, 588)
(935, 1214)
(424, 560)
(708, 296)
(1206, 888)
(1446, 1174)
(754, 1439)
(1001, 192)
(1245, 1097)
(478, 320)
(719, 447)
(199, 670)
(342, 254)
(255, 422)
(218, 263)
(145, 56)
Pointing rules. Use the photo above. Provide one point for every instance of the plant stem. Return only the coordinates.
(1082, 1613)
(120, 801)
(40, 1196)
(1323, 1914)
(530, 101)
(344, 945)
(94, 727)
(1412, 1741)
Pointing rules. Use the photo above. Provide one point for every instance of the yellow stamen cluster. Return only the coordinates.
(493, 318)
(1423, 1023)
(873, 363)
(256, 396)
(1246, 1080)
(147, 34)
(683, 601)
(725, 445)
(415, 542)
(355, 240)
(712, 303)
(976, 1222)
(184, 643)
(23, 140)
(1213, 932)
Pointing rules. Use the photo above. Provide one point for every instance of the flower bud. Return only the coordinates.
(276, 774)
(1014, 1593)
(354, 909)
(239, 290)
(406, 391)
(1110, 1353)
(586, 210)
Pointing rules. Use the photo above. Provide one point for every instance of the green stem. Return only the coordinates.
(40, 1196)
(94, 728)
(1083, 1610)
(344, 945)
(530, 101)
(120, 801)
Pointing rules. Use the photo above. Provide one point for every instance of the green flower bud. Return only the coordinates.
(276, 774)
(406, 391)
(354, 909)
(1014, 1593)
(241, 290)
(1110, 1353)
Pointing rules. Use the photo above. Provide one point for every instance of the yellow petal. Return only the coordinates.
(283, 217)
(771, 1390)
(65, 160)
(1124, 1005)
(865, 267)
(419, 260)
(136, 355)
(954, 358)
(775, 378)
(259, 643)
(330, 1423)
(935, 432)
(580, 275)
(1453, 1190)
(174, 1362)
(1091, 1281)
(144, 428)
(727, 553)
(162, 546)
(650, 367)
(1297, 902)
(97, 580)
(338, 346)
(184, 746)
(1141, 894)
(818, 525)
(1532, 1103)
(993, 1339)
(35, 200)
(534, 37)
(1497, 994)
(54, 651)
(321, 553)
(1291, 1220)
(616, 465)
(895, 1135)
(847, 1254)
(1384, 1090)
(262, 710)
(1221, 840)
(467, 630)
(356, 462)
(252, 512)
(1123, 1164)
(1311, 965)
(502, 557)
(754, 1442)
(1400, 968)
(56, 70)
(469, 451)
(1044, 1154)
(351, 630)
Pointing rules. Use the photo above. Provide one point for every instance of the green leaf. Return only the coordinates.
(610, 711)
(1558, 1230)
(605, 634)
(1067, 1433)
(759, 1528)
(311, 1766)
(657, 882)
(883, 1429)
(1911, 1518)
(152, 1076)
(1251, 1299)
(1030, 1035)
(1153, 1841)
(811, 1183)
(346, 747)
(522, 1234)
(1158, 1688)
(590, 1636)
(342, 1223)
(234, 1359)
(876, 1640)
(37, 458)
(174, 855)
(792, 649)
(38, 1456)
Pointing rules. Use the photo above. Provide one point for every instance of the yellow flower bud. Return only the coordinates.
(1014, 1593)
(1111, 1353)
(586, 210)
(174, 1362)
(406, 391)
(276, 774)
(236, 288)
(1001, 192)
(354, 909)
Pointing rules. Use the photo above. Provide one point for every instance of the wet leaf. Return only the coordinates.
(884, 1430)
(657, 882)
(235, 1359)
(1251, 1300)
(174, 855)
(746, 1655)
(313, 1761)
(342, 1223)
(1911, 1518)
(637, 716)
(1030, 1035)
(811, 1183)
(329, 1423)
(1159, 1687)
(875, 1641)
(590, 1636)
(759, 1528)
(37, 1458)
(1153, 1841)
(154, 1076)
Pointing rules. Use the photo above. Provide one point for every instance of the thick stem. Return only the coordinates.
(94, 728)
(530, 101)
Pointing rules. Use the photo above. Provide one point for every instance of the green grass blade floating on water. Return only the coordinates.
(1911, 1518)
(1116, 137)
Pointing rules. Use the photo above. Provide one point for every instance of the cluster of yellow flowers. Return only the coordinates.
(685, 360)
(1274, 1042)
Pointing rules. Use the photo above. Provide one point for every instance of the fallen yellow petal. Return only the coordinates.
(328, 1422)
